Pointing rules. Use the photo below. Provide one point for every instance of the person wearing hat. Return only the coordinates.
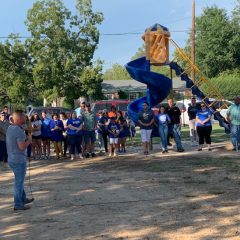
(233, 117)
(4, 124)
(192, 111)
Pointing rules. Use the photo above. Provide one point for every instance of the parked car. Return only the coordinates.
(120, 104)
(51, 110)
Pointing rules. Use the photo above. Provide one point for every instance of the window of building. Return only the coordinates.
(133, 95)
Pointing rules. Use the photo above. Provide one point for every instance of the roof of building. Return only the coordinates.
(110, 86)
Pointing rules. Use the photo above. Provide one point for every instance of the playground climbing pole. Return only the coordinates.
(200, 80)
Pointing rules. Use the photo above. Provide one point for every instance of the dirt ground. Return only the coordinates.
(193, 195)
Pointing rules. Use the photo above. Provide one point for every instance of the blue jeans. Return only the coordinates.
(235, 135)
(19, 170)
(176, 130)
(163, 133)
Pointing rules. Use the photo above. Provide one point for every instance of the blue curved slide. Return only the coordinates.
(158, 86)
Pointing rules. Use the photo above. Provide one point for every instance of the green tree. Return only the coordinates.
(116, 72)
(62, 47)
(234, 43)
(91, 79)
(214, 35)
(228, 83)
(16, 79)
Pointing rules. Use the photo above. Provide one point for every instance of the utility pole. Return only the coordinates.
(193, 40)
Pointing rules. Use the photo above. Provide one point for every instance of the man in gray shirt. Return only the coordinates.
(16, 148)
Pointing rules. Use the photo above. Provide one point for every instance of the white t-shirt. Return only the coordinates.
(36, 124)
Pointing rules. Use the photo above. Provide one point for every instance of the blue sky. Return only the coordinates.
(120, 16)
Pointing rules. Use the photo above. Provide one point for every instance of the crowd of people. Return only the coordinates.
(20, 134)
(168, 123)
(73, 134)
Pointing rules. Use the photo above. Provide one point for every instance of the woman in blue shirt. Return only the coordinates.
(204, 126)
(74, 132)
(45, 134)
(163, 120)
(56, 127)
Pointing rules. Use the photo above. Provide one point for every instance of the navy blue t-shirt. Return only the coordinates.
(114, 129)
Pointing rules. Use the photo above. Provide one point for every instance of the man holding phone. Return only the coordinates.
(17, 143)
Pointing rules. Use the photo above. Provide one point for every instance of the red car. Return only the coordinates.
(120, 104)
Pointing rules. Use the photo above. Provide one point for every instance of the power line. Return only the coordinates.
(101, 34)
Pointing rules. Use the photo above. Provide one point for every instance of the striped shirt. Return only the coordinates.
(234, 112)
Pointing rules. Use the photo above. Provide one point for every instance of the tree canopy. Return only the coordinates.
(57, 60)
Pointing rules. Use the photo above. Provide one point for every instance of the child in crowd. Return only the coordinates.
(102, 128)
(123, 132)
(113, 129)
(99, 131)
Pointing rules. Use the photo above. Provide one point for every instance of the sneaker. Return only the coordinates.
(200, 149)
(21, 208)
(87, 155)
(180, 150)
(110, 155)
(115, 154)
(93, 155)
(72, 156)
(163, 151)
(28, 200)
(166, 151)
(80, 156)
(209, 149)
